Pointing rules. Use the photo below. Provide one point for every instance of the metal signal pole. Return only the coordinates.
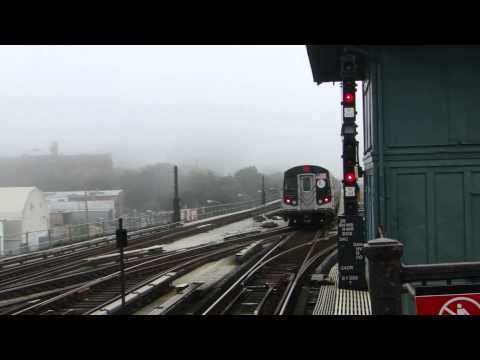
(351, 261)
(122, 242)
(264, 197)
(176, 199)
(86, 206)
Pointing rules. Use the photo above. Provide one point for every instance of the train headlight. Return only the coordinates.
(320, 202)
(294, 202)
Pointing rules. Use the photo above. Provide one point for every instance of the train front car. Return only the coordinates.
(310, 195)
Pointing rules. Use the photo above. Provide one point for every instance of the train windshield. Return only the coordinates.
(290, 184)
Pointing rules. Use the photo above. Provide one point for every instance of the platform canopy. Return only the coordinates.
(325, 61)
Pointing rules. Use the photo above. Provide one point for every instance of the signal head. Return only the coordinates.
(350, 178)
(348, 98)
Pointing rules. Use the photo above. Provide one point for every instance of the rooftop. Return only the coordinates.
(12, 201)
(325, 61)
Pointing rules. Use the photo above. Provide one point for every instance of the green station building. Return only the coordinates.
(421, 110)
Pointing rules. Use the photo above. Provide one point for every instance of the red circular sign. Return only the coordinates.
(452, 304)
(460, 306)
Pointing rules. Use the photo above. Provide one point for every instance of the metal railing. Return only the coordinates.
(388, 278)
(222, 209)
(70, 234)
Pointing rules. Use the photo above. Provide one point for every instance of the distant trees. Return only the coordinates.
(250, 180)
(58, 173)
(151, 188)
(147, 188)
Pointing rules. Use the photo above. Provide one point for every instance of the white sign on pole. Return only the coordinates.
(348, 112)
(350, 191)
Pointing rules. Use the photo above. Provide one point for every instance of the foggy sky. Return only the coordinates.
(223, 107)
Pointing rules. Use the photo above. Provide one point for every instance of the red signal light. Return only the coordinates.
(350, 178)
(326, 199)
(307, 168)
(348, 98)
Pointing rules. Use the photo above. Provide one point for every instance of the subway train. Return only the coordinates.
(311, 194)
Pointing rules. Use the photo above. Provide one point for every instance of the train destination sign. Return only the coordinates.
(449, 304)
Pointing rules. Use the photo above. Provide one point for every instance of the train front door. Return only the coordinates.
(306, 191)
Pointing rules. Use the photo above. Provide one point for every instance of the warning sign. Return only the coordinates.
(451, 304)
(350, 258)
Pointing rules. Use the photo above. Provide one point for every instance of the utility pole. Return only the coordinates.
(176, 199)
(122, 242)
(86, 214)
(351, 261)
(2, 239)
(86, 206)
(264, 198)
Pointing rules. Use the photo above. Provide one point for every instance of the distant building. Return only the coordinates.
(54, 171)
(78, 207)
(23, 217)
(54, 149)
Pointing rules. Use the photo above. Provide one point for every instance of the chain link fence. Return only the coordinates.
(16, 244)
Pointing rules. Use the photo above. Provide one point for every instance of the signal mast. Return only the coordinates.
(350, 230)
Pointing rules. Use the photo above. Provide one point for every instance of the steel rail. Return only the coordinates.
(300, 274)
(91, 284)
(293, 278)
(248, 273)
(150, 264)
(195, 259)
(110, 237)
(283, 253)
(262, 302)
(146, 236)
(24, 270)
(291, 286)
(24, 288)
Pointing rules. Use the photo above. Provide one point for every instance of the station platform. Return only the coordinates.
(334, 301)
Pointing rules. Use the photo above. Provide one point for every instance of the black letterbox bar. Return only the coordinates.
(445, 271)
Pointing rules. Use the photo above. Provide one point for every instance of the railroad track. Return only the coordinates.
(88, 272)
(87, 295)
(40, 267)
(270, 285)
(68, 248)
(25, 269)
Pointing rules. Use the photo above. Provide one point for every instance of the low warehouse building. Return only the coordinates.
(80, 207)
(23, 217)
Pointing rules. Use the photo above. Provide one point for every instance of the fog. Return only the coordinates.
(221, 107)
